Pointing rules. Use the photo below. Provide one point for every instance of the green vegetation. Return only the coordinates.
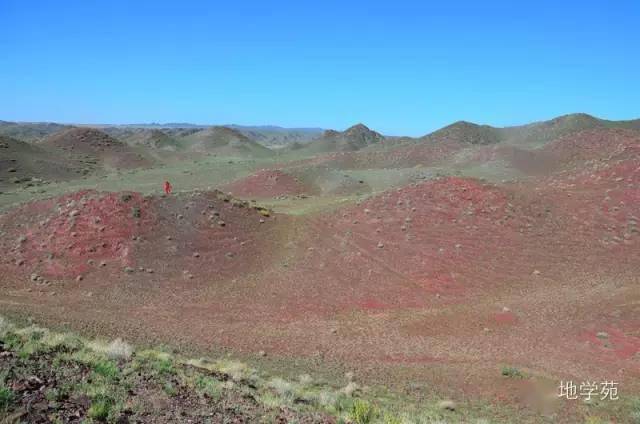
(64, 367)
(512, 372)
(6, 398)
(362, 412)
(635, 411)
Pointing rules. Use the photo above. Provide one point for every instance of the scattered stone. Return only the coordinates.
(34, 277)
(447, 405)
(128, 269)
(221, 223)
(74, 212)
(380, 245)
(602, 335)
(536, 272)
(149, 271)
(196, 254)
(79, 278)
(262, 353)
(505, 309)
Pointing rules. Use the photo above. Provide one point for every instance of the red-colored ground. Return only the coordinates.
(267, 183)
(96, 235)
(445, 281)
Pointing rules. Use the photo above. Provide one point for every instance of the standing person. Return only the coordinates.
(167, 187)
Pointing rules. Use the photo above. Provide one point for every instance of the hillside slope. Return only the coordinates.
(224, 141)
(97, 146)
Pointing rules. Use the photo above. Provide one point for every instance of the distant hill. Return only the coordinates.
(266, 135)
(534, 134)
(97, 146)
(148, 137)
(29, 131)
(25, 163)
(273, 136)
(223, 141)
(354, 138)
(466, 132)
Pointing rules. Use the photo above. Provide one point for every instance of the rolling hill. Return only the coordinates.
(354, 138)
(224, 141)
(97, 147)
(22, 164)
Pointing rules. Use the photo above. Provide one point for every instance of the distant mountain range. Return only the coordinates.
(175, 136)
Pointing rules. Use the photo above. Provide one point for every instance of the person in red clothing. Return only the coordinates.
(167, 187)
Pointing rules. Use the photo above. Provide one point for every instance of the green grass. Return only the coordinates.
(635, 411)
(89, 368)
(100, 408)
(6, 398)
(362, 412)
(512, 372)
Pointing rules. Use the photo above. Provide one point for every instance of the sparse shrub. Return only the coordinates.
(100, 409)
(236, 370)
(6, 398)
(169, 389)
(270, 400)
(209, 386)
(362, 412)
(327, 399)
(284, 389)
(305, 380)
(391, 419)
(635, 411)
(512, 372)
(117, 349)
(5, 326)
(350, 388)
(62, 341)
(156, 362)
(106, 369)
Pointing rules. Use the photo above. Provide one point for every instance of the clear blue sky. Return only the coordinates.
(401, 67)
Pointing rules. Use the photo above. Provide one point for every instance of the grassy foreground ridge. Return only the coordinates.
(48, 376)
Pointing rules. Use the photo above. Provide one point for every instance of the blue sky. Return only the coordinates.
(401, 67)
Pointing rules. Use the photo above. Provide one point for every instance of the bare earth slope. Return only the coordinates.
(224, 141)
(29, 164)
(97, 146)
(442, 282)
